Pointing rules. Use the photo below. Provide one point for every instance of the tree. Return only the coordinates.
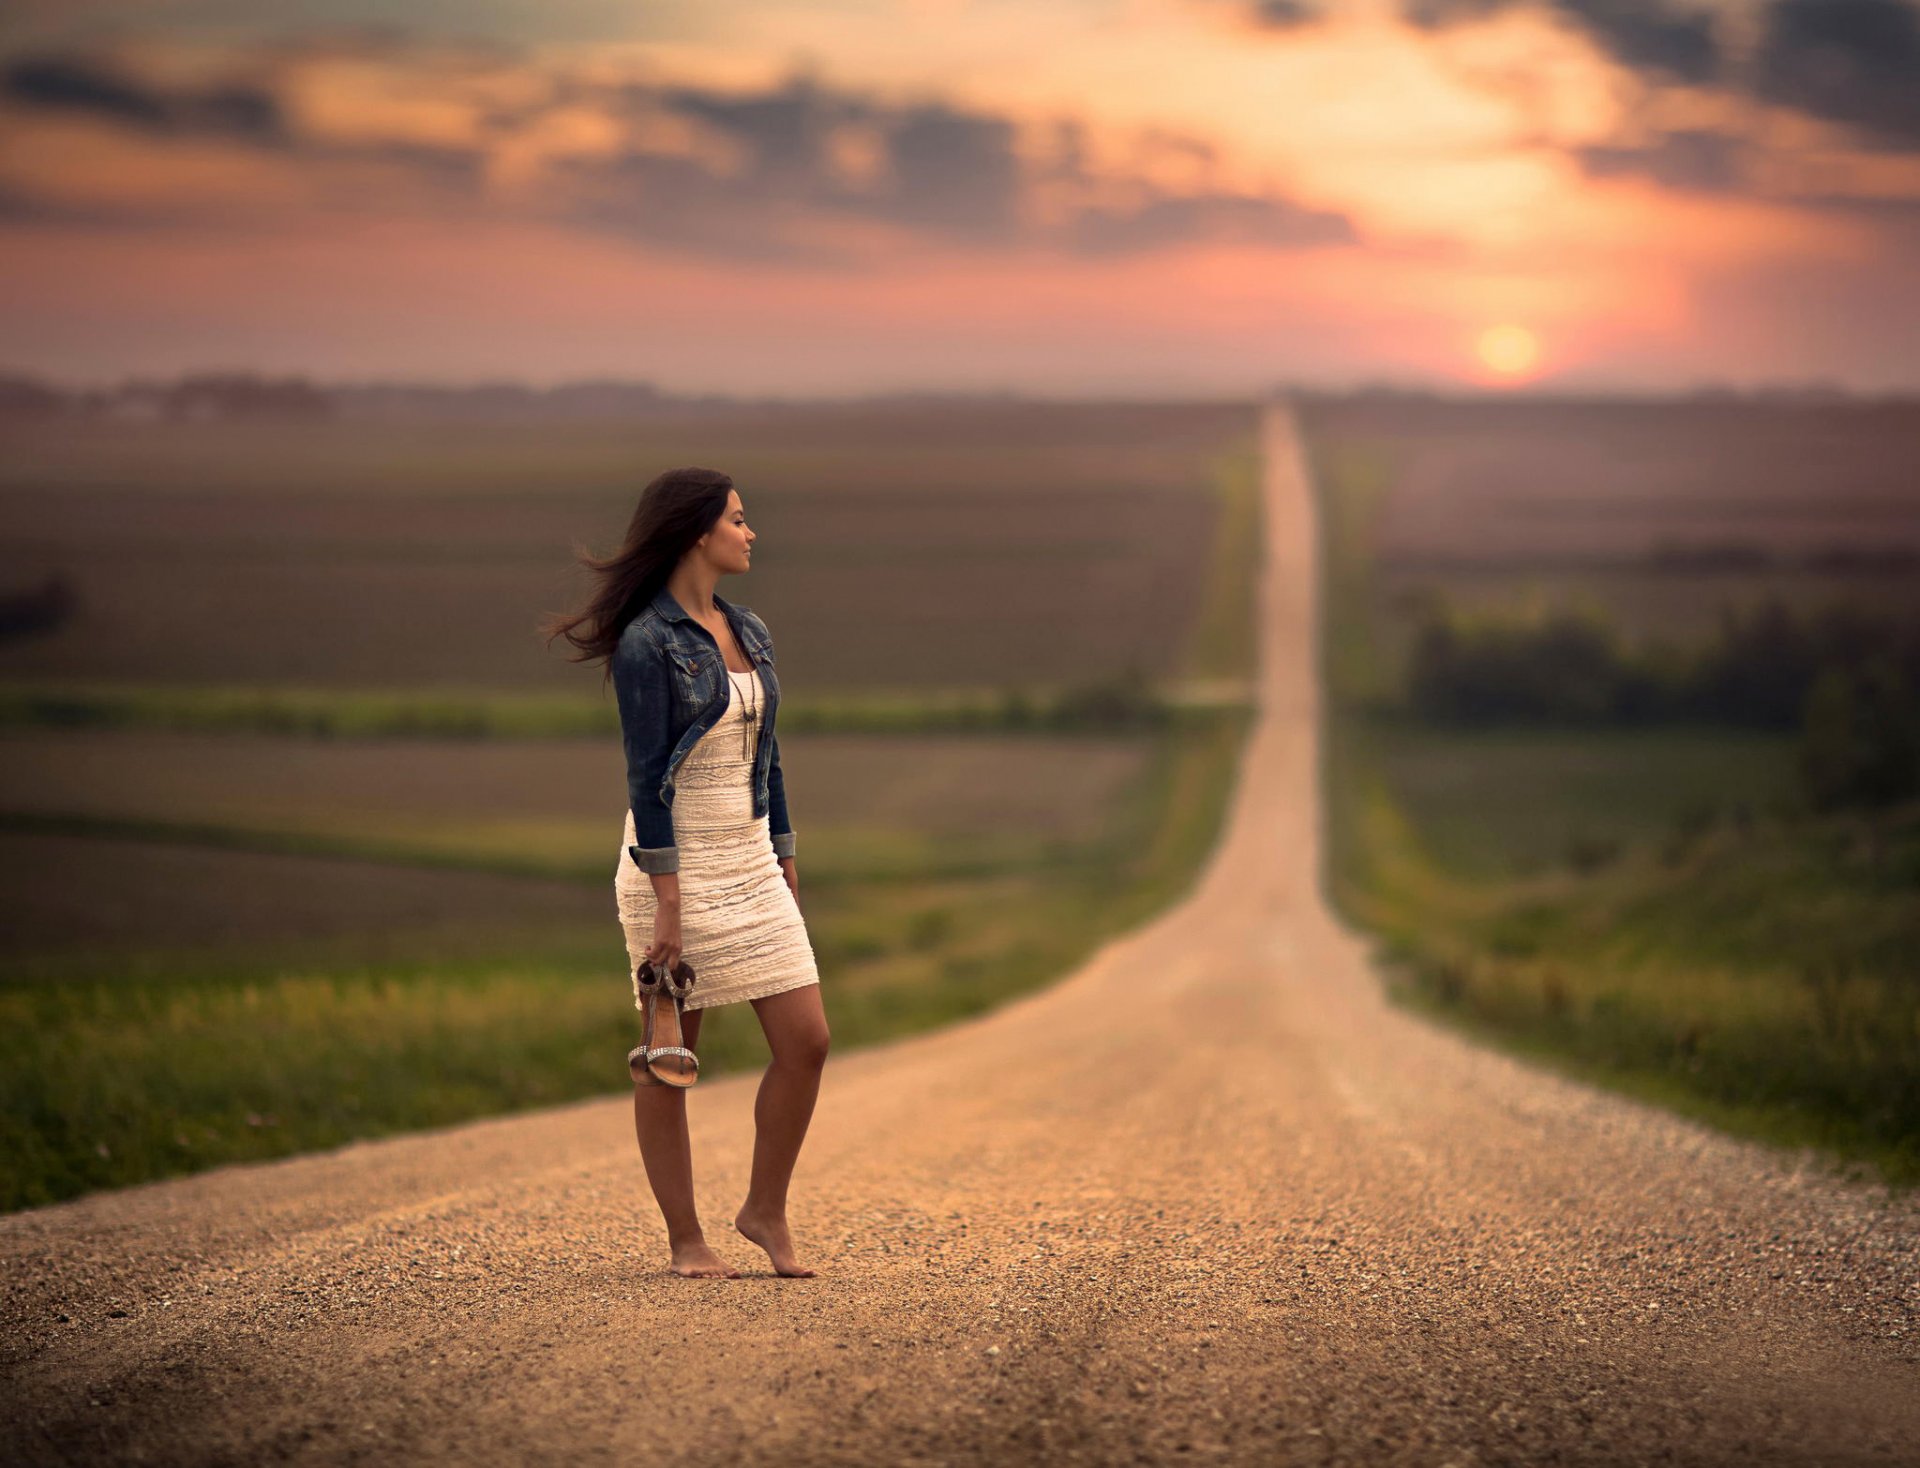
(1860, 737)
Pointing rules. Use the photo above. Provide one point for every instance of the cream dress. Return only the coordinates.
(739, 923)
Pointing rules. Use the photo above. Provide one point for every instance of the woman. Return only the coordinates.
(706, 870)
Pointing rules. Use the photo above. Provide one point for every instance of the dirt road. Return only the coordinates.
(1208, 1198)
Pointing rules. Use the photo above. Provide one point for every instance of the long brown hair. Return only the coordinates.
(675, 510)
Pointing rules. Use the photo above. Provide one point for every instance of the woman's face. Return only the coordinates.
(728, 545)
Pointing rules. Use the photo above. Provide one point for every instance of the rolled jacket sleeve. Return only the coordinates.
(641, 689)
(778, 822)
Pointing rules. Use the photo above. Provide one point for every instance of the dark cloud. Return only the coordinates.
(935, 169)
(786, 130)
(1687, 159)
(246, 110)
(678, 204)
(1663, 36)
(1855, 62)
(941, 168)
(1226, 218)
(1703, 162)
(75, 84)
(1849, 61)
(955, 173)
(768, 167)
(20, 208)
(1286, 15)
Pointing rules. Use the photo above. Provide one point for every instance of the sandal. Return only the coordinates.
(672, 1063)
(646, 983)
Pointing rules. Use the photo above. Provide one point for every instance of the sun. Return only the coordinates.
(1507, 350)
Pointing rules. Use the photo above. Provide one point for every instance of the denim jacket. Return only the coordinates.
(671, 684)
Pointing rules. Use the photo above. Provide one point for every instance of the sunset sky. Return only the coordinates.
(1134, 196)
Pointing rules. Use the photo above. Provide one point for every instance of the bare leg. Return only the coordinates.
(796, 1028)
(660, 1123)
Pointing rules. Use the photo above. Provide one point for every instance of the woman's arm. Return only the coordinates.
(640, 688)
(778, 822)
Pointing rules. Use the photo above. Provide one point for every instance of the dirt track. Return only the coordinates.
(1209, 1197)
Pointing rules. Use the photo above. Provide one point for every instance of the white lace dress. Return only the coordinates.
(739, 923)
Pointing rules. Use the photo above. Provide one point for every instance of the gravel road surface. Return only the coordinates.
(1208, 1198)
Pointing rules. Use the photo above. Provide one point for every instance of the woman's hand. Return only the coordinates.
(664, 951)
(791, 873)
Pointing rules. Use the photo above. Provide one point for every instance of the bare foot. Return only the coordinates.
(698, 1261)
(771, 1235)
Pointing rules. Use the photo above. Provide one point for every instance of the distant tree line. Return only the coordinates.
(1848, 680)
(1677, 558)
(247, 395)
(197, 397)
(207, 396)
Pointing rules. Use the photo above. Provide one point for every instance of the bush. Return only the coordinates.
(1860, 738)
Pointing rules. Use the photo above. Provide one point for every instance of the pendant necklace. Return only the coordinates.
(746, 719)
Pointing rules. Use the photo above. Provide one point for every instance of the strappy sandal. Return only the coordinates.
(672, 1063)
(646, 983)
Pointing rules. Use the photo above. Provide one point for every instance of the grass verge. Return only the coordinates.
(1750, 968)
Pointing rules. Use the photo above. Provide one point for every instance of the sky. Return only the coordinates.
(1154, 197)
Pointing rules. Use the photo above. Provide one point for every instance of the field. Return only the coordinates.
(1662, 513)
(898, 547)
(1536, 483)
(541, 805)
(307, 838)
(1653, 908)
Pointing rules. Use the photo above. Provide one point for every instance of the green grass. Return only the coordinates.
(1648, 909)
(878, 857)
(1569, 797)
(108, 1083)
(480, 714)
